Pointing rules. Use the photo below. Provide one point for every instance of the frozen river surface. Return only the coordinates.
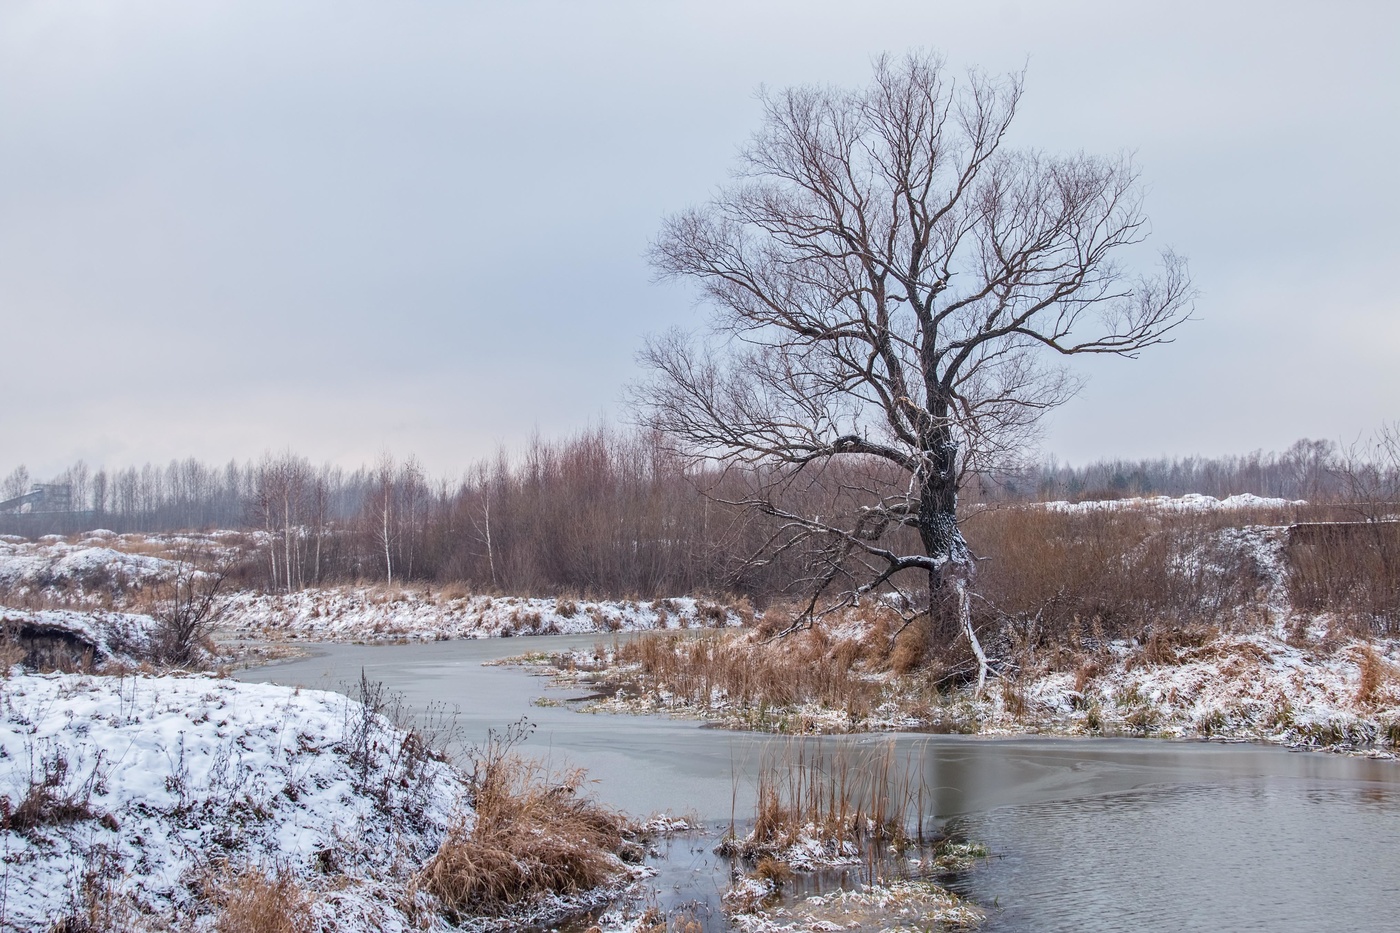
(1089, 834)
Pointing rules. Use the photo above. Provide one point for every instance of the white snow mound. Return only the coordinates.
(150, 780)
(1191, 502)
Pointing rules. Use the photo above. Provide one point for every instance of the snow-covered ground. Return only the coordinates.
(895, 905)
(132, 794)
(104, 570)
(140, 803)
(369, 614)
(83, 571)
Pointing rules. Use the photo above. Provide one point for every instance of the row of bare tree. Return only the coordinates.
(606, 511)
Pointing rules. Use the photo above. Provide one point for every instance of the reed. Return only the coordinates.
(842, 805)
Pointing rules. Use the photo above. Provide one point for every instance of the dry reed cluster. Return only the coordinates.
(847, 801)
(810, 667)
(256, 901)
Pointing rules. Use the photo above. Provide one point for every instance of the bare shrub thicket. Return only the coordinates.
(186, 606)
(1056, 579)
(610, 513)
(1351, 569)
(1351, 566)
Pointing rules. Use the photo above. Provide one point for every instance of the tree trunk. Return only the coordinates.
(950, 605)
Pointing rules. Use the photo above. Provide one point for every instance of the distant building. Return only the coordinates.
(44, 497)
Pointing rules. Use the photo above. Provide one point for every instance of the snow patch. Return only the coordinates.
(1191, 502)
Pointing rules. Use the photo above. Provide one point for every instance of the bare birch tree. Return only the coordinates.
(892, 287)
(380, 507)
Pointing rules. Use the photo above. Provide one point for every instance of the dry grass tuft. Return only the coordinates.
(840, 801)
(774, 871)
(1013, 699)
(454, 591)
(255, 901)
(533, 834)
(1164, 646)
(1374, 674)
(910, 650)
(1085, 674)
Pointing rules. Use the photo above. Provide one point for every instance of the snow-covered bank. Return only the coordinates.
(1336, 693)
(131, 802)
(109, 638)
(124, 794)
(100, 567)
(370, 614)
(97, 557)
(895, 905)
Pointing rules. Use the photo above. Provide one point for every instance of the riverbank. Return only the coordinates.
(1335, 693)
(1258, 834)
(376, 614)
(104, 572)
(134, 802)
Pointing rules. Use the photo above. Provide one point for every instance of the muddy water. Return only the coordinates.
(1089, 834)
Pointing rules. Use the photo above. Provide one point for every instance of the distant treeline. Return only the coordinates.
(1317, 471)
(607, 512)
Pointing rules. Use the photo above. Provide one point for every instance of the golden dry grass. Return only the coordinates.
(1375, 674)
(836, 798)
(533, 834)
(805, 667)
(256, 901)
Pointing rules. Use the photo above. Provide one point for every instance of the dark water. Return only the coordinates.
(1103, 834)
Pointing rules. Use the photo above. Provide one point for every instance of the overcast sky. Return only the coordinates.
(341, 228)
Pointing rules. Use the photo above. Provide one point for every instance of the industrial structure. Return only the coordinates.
(44, 497)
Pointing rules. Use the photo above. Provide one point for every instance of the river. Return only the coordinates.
(1088, 834)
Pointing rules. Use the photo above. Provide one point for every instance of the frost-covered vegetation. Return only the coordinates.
(421, 614)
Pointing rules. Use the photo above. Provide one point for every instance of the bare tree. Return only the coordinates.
(381, 512)
(1369, 475)
(16, 484)
(893, 286)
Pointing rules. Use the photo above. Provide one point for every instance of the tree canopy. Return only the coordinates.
(893, 284)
